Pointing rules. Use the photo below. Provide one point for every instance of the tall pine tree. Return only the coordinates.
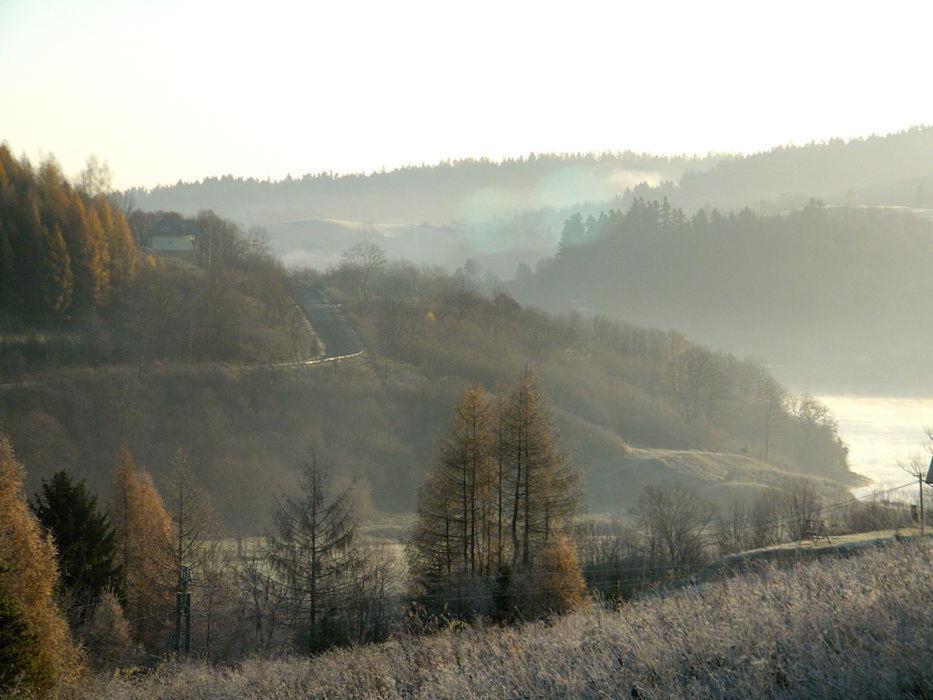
(84, 541)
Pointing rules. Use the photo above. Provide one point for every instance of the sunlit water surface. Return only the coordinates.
(879, 431)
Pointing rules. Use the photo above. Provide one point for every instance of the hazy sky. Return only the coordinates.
(188, 88)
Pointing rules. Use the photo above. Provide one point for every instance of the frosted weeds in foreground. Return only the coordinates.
(861, 627)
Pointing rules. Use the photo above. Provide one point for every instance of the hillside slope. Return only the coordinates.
(718, 477)
(832, 294)
(844, 628)
(616, 393)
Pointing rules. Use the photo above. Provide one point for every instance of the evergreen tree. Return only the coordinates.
(85, 258)
(84, 541)
(313, 551)
(573, 234)
(592, 228)
(59, 248)
(28, 577)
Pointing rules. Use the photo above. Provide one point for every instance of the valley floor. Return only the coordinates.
(840, 628)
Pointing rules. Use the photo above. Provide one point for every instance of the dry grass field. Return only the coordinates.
(859, 627)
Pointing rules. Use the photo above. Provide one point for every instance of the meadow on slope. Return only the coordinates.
(843, 628)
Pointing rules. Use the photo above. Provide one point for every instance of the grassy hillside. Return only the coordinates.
(840, 628)
(718, 477)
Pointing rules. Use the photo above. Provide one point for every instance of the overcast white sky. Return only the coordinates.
(188, 88)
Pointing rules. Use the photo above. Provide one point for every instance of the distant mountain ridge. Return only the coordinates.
(893, 169)
(465, 190)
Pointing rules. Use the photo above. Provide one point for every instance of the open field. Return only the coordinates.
(841, 628)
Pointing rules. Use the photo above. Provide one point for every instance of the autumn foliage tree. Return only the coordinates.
(37, 650)
(493, 511)
(61, 249)
(144, 532)
(456, 526)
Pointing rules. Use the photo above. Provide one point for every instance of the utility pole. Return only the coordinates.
(920, 483)
(928, 480)
(182, 614)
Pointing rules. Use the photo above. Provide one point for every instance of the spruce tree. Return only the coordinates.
(314, 551)
(573, 234)
(84, 540)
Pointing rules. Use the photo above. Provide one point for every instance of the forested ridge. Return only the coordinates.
(61, 250)
(891, 169)
(76, 288)
(460, 190)
(797, 288)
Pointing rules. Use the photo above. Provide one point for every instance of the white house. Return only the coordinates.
(173, 236)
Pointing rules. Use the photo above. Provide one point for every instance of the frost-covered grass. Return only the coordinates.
(845, 628)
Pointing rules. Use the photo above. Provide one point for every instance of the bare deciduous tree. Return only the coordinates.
(801, 505)
(677, 522)
(363, 262)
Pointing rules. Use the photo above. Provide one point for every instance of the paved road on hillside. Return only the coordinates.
(336, 334)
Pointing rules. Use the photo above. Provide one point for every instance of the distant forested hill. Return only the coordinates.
(896, 169)
(465, 190)
(838, 293)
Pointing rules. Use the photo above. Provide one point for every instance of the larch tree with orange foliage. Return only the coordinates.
(493, 511)
(143, 533)
(31, 623)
